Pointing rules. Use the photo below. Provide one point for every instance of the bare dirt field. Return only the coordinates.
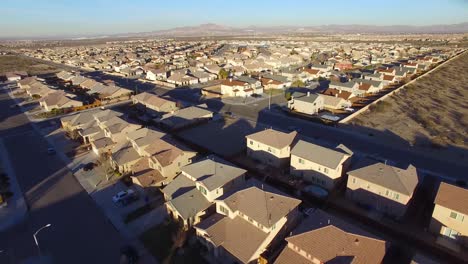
(430, 114)
(10, 63)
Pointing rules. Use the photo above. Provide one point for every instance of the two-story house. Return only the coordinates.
(246, 223)
(319, 165)
(450, 215)
(326, 238)
(168, 157)
(153, 104)
(191, 193)
(385, 188)
(271, 147)
(331, 244)
(306, 103)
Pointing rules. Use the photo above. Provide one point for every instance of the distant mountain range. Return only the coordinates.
(211, 29)
(220, 30)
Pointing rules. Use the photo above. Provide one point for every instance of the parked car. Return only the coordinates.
(89, 166)
(51, 151)
(125, 197)
(349, 109)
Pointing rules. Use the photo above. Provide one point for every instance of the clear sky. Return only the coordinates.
(25, 18)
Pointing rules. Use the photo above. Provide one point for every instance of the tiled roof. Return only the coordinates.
(393, 178)
(452, 197)
(276, 139)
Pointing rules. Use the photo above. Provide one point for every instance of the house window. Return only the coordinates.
(260, 225)
(250, 219)
(354, 180)
(368, 186)
(450, 233)
(251, 142)
(325, 170)
(241, 214)
(453, 215)
(386, 192)
(224, 210)
(273, 227)
(396, 196)
(301, 161)
(202, 190)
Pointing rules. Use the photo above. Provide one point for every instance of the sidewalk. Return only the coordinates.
(16, 208)
(74, 165)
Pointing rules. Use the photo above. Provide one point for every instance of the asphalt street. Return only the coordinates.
(80, 232)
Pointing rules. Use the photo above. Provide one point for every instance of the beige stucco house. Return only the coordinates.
(450, 215)
(168, 157)
(271, 147)
(246, 223)
(306, 103)
(319, 165)
(382, 187)
(193, 192)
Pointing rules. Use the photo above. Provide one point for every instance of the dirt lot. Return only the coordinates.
(431, 113)
(16, 63)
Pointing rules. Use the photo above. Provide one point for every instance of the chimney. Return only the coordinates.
(308, 94)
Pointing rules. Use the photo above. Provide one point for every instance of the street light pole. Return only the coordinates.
(35, 238)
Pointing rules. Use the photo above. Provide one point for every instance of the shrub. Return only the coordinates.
(380, 106)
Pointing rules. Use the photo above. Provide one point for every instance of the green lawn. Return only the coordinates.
(158, 239)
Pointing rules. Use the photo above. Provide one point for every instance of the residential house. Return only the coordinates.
(334, 102)
(168, 157)
(331, 244)
(450, 215)
(58, 100)
(304, 248)
(154, 104)
(156, 74)
(232, 87)
(124, 156)
(382, 187)
(190, 194)
(319, 165)
(185, 117)
(246, 223)
(306, 103)
(117, 128)
(271, 147)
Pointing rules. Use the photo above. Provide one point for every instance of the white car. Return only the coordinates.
(123, 195)
(349, 109)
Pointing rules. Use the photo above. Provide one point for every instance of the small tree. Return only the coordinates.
(223, 74)
(298, 83)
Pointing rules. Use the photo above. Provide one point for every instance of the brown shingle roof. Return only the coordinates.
(452, 197)
(393, 178)
(331, 244)
(364, 86)
(265, 207)
(274, 138)
(164, 152)
(230, 82)
(343, 94)
(146, 175)
(237, 236)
